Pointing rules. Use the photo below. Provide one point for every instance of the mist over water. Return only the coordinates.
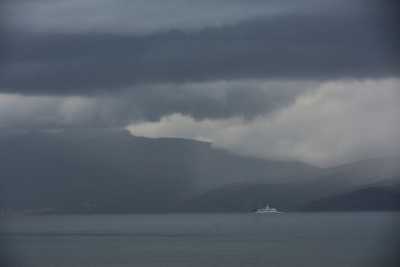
(288, 239)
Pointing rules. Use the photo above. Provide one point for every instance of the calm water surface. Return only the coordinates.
(288, 239)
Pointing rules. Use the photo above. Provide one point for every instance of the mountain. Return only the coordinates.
(383, 196)
(354, 175)
(355, 186)
(247, 197)
(113, 171)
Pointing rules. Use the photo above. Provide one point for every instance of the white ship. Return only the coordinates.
(267, 209)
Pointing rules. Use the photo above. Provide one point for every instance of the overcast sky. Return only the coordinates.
(311, 80)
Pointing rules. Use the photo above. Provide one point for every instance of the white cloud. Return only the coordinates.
(338, 122)
(329, 123)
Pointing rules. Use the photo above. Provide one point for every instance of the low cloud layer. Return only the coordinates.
(339, 122)
(218, 99)
(320, 123)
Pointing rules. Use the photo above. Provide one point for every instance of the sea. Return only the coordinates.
(345, 239)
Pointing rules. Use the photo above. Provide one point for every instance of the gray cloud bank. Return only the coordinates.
(217, 99)
(321, 123)
(316, 81)
(338, 122)
(320, 45)
(146, 16)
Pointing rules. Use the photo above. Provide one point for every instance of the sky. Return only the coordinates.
(314, 81)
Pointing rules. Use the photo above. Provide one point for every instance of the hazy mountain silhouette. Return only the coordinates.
(246, 197)
(113, 171)
(327, 184)
(381, 196)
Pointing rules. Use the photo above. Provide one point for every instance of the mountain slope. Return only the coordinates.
(383, 196)
(112, 171)
(246, 198)
(351, 186)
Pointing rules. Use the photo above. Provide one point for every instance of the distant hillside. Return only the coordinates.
(368, 199)
(248, 197)
(113, 171)
(353, 176)
(346, 187)
(384, 196)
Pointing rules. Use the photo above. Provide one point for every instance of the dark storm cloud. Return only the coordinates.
(296, 46)
(204, 100)
(222, 99)
(275, 79)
